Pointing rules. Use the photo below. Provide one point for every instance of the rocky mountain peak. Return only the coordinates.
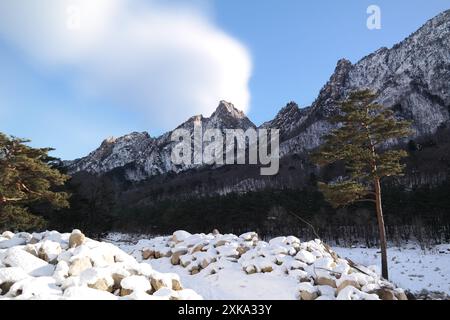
(412, 78)
(332, 91)
(108, 141)
(227, 109)
(286, 119)
(291, 107)
(227, 116)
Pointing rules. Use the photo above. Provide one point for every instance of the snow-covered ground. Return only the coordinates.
(244, 267)
(410, 267)
(51, 265)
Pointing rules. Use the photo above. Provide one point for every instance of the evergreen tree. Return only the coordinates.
(26, 177)
(365, 129)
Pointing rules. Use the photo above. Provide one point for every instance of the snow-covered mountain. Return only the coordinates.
(143, 156)
(412, 78)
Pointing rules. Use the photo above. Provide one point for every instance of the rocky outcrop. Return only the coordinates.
(91, 270)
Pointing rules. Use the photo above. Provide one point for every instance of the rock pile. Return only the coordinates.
(321, 274)
(51, 265)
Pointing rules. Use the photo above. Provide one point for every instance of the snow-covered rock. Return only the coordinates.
(46, 266)
(134, 284)
(17, 257)
(319, 272)
(179, 236)
(51, 265)
(11, 242)
(76, 238)
(9, 276)
(49, 250)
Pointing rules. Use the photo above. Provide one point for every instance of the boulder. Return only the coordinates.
(14, 241)
(205, 263)
(78, 265)
(61, 272)
(134, 284)
(195, 270)
(241, 250)
(102, 257)
(198, 248)
(176, 285)
(148, 254)
(118, 277)
(30, 248)
(386, 294)
(305, 295)
(7, 234)
(35, 288)
(324, 281)
(179, 236)
(157, 283)
(249, 236)
(185, 260)
(400, 294)
(16, 257)
(163, 254)
(305, 256)
(221, 243)
(102, 285)
(327, 291)
(49, 251)
(352, 293)
(9, 276)
(347, 283)
(308, 291)
(76, 239)
(97, 278)
(267, 269)
(251, 269)
(175, 259)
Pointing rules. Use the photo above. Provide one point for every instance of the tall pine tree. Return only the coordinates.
(365, 129)
(26, 177)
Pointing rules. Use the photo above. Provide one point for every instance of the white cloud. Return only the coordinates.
(164, 61)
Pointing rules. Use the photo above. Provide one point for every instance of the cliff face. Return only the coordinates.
(412, 78)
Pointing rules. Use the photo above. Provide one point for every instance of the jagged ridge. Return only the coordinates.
(412, 78)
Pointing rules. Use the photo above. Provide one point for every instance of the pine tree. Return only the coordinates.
(26, 177)
(365, 129)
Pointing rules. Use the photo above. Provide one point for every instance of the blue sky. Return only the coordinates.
(263, 53)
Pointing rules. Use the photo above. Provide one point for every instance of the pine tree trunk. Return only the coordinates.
(382, 230)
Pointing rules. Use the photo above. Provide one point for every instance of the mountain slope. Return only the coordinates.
(412, 78)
